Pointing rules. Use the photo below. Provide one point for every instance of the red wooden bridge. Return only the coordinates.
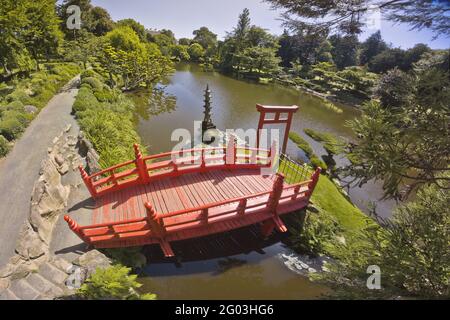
(192, 193)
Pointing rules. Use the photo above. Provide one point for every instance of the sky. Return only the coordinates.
(220, 16)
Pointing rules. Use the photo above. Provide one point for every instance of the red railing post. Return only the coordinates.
(75, 228)
(205, 216)
(314, 180)
(241, 207)
(88, 182)
(231, 151)
(155, 221)
(275, 195)
(140, 165)
(296, 191)
(203, 164)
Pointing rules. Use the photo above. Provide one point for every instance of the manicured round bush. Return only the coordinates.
(4, 146)
(88, 74)
(95, 83)
(11, 128)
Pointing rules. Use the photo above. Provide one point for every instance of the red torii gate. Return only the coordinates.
(277, 111)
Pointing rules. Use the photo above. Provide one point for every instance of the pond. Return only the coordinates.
(178, 104)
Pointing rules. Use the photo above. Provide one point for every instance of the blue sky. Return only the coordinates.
(184, 16)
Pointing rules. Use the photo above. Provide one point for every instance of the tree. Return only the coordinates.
(261, 60)
(206, 38)
(136, 26)
(242, 28)
(185, 41)
(387, 60)
(196, 52)
(83, 49)
(345, 50)
(371, 47)
(13, 53)
(395, 89)
(411, 249)
(137, 63)
(180, 53)
(405, 142)
(95, 20)
(350, 16)
(42, 34)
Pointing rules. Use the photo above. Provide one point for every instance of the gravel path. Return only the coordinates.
(19, 170)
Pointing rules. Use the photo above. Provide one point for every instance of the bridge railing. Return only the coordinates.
(159, 225)
(142, 169)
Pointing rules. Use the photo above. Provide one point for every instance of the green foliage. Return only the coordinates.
(332, 220)
(206, 38)
(331, 144)
(4, 146)
(130, 257)
(113, 283)
(96, 20)
(196, 52)
(301, 143)
(106, 117)
(406, 144)
(395, 89)
(411, 250)
(95, 83)
(137, 63)
(250, 51)
(36, 91)
(180, 53)
(311, 232)
(318, 163)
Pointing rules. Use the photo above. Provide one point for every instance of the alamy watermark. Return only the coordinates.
(374, 280)
(74, 20)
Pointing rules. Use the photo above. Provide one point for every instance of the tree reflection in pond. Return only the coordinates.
(152, 102)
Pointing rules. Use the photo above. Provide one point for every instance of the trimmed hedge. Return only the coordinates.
(106, 117)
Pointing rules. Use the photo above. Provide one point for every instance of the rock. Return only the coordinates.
(30, 109)
(67, 129)
(63, 169)
(4, 284)
(62, 264)
(7, 270)
(77, 277)
(23, 270)
(59, 159)
(92, 260)
(30, 246)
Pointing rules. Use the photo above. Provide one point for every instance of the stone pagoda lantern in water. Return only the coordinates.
(207, 123)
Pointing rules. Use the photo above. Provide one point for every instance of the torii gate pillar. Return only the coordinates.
(288, 114)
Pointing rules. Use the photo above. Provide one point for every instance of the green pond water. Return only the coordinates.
(178, 103)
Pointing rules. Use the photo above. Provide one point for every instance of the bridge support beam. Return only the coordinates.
(274, 199)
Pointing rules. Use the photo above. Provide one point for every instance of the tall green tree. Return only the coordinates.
(42, 35)
(371, 47)
(206, 38)
(404, 141)
(345, 50)
(13, 20)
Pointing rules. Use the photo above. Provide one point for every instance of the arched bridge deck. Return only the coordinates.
(176, 196)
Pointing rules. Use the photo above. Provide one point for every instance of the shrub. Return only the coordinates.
(88, 74)
(316, 163)
(301, 143)
(4, 146)
(11, 128)
(331, 144)
(85, 99)
(113, 283)
(95, 83)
